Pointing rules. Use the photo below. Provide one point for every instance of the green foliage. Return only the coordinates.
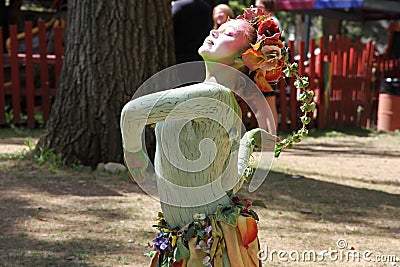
(13, 156)
(48, 158)
(238, 6)
(308, 106)
(29, 143)
(9, 117)
(366, 30)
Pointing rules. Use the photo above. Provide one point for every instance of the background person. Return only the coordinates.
(269, 8)
(192, 22)
(220, 15)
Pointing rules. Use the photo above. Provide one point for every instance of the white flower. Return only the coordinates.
(199, 216)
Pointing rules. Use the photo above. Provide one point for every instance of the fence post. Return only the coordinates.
(321, 86)
(30, 93)
(311, 74)
(16, 90)
(2, 93)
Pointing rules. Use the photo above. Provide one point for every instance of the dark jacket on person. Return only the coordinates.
(192, 23)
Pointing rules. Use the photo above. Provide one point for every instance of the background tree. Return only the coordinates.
(111, 48)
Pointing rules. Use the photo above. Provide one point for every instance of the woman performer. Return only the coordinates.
(200, 158)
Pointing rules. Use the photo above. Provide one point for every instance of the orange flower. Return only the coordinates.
(261, 82)
(248, 229)
(253, 59)
(273, 75)
(251, 13)
(267, 70)
(274, 40)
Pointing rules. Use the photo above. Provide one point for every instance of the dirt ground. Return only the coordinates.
(334, 192)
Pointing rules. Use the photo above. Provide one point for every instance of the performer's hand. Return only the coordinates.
(137, 163)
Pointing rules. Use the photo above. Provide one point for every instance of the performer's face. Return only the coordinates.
(225, 44)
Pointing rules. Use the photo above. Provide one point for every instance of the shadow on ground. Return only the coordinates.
(319, 200)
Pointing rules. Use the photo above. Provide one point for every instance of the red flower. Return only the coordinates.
(273, 75)
(251, 13)
(235, 199)
(248, 202)
(268, 27)
(274, 40)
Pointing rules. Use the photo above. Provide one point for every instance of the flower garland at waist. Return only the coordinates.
(172, 246)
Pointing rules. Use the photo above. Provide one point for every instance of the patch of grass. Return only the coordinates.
(20, 132)
(49, 159)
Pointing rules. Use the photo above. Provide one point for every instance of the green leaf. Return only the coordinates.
(306, 96)
(227, 215)
(277, 152)
(258, 203)
(303, 132)
(301, 82)
(287, 73)
(308, 107)
(296, 138)
(305, 119)
(181, 252)
(191, 232)
(200, 233)
(312, 106)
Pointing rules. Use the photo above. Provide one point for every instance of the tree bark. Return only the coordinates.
(111, 48)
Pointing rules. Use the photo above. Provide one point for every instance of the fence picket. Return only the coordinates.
(16, 92)
(30, 93)
(320, 90)
(2, 91)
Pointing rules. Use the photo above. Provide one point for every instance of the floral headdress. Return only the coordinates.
(266, 58)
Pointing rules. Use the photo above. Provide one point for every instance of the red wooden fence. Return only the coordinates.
(26, 86)
(345, 79)
(341, 76)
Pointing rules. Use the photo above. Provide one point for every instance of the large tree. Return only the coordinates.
(111, 48)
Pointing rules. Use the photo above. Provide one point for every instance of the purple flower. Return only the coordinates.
(201, 245)
(206, 261)
(208, 229)
(161, 243)
(209, 242)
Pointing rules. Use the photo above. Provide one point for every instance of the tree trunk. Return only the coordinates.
(111, 48)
